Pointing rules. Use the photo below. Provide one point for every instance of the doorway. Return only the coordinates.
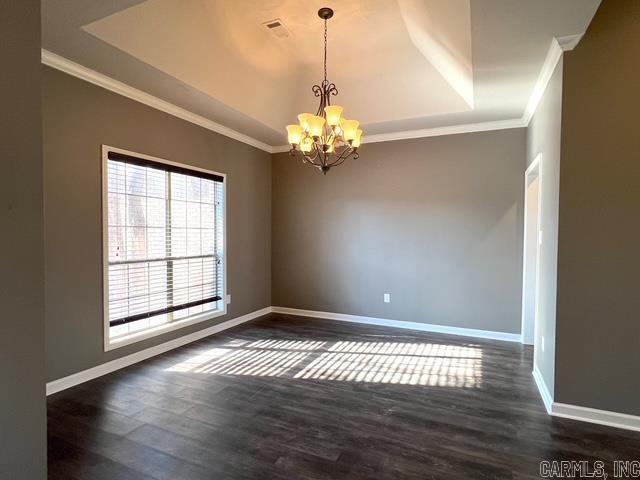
(531, 251)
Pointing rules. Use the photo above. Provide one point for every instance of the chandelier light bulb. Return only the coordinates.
(307, 145)
(316, 125)
(303, 118)
(356, 141)
(294, 133)
(333, 113)
(349, 129)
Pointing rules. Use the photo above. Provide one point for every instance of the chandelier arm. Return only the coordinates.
(311, 158)
(331, 90)
(323, 157)
(346, 153)
(306, 158)
(335, 161)
(344, 157)
(339, 162)
(316, 156)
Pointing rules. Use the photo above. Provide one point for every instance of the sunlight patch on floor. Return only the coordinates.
(399, 363)
(287, 344)
(395, 369)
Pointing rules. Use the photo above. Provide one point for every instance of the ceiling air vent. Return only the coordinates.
(277, 28)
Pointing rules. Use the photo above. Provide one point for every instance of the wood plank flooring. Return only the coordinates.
(298, 398)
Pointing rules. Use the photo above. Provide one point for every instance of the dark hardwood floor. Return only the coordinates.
(299, 398)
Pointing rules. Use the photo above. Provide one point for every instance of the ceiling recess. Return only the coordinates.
(277, 28)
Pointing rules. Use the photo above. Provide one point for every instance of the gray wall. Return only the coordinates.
(598, 328)
(22, 395)
(78, 118)
(543, 136)
(436, 222)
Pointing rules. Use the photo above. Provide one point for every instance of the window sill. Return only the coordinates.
(112, 344)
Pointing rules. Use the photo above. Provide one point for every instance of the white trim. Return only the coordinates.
(95, 372)
(424, 327)
(557, 47)
(530, 172)
(583, 414)
(448, 130)
(547, 398)
(593, 415)
(432, 132)
(145, 334)
(67, 66)
(554, 54)
(281, 149)
(569, 42)
(118, 342)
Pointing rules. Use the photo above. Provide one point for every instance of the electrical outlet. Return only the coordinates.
(542, 343)
(228, 299)
(387, 298)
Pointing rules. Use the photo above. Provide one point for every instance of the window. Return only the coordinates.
(163, 246)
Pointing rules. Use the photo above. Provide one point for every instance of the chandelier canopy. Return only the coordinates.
(326, 139)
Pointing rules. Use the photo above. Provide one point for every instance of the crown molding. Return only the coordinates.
(569, 42)
(67, 66)
(554, 54)
(558, 46)
(433, 132)
(449, 130)
(281, 149)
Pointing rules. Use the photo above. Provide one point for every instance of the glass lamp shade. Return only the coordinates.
(294, 132)
(316, 126)
(333, 112)
(356, 141)
(306, 145)
(303, 118)
(349, 129)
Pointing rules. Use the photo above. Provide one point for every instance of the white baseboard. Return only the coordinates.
(99, 370)
(424, 327)
(593, 415)
(583, 414)
(547, 398)
(574, 412)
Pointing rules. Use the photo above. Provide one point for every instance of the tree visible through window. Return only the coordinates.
(165, 241)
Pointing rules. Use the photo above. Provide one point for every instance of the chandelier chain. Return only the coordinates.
(325, 49)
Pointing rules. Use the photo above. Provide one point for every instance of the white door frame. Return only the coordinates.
(534, 170)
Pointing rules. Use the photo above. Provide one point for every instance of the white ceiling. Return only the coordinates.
(398, 64)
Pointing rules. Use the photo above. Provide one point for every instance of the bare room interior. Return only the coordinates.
(321, 239)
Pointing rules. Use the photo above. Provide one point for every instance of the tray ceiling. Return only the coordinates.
(398, 64)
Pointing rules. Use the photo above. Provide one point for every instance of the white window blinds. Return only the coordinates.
(165, 243)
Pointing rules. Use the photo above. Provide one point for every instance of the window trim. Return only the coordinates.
(168, 327)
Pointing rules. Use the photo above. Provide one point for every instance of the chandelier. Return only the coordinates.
(326, 139)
